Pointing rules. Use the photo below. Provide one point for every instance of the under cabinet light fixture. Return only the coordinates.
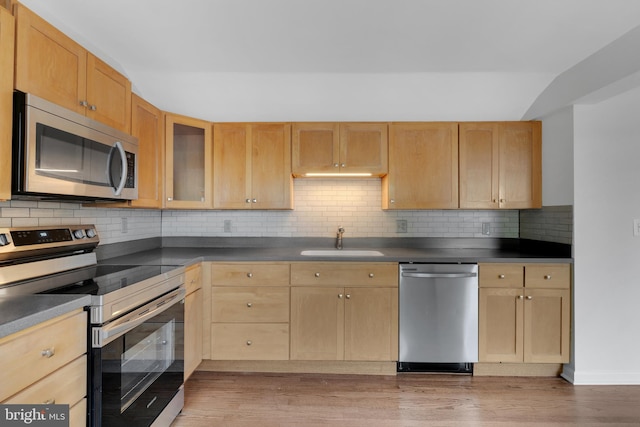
(336, 175)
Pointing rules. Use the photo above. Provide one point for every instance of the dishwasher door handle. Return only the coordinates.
(439, 275)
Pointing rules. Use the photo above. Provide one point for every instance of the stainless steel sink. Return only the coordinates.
(341, 253)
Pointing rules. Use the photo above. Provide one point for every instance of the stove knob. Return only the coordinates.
(90, 232)
(3, 240)
(78, 234)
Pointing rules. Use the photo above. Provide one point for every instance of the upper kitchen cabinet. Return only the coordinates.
(339, 148)
(51, 65)
(188, 153)
(6, 100)
(147, 126)
(252, 166)
(423, 166)
(500, 165)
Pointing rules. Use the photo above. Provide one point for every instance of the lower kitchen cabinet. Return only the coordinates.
(358, 322)
(249, 311)
(48, 365)
(193, 319)
(524, 313)
(7, 37)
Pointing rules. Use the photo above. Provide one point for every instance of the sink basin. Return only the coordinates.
(341, 253)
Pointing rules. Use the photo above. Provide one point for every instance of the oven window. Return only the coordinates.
(136, 376)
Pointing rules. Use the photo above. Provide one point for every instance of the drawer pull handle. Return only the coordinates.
(317, 274)
(249, 275)
(501, 276)
(371, 275)
(249, 342)
(48, 352)
(249, 305)
(49, 402)
(547, 277)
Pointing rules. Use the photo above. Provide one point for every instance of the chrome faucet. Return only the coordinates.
(339, 238)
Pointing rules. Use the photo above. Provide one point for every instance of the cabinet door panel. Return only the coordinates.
(548, 276)
(501, 325)
(501, 275)
(271, 180)
(369, 324)
(7, 38)
(48, 63)
(423, 166)
(363, 148)
(108, 95)
(317, 323)
(193, 313)
(231, 163)
(250, 304)
(315, 148)
(250, 341)
(546, 326)
(479, 156)
(520, 165)
(146, 125)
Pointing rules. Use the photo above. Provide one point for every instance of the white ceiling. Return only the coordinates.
(344, 36)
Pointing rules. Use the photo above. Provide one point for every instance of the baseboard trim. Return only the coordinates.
(300, 366)
(517, 369)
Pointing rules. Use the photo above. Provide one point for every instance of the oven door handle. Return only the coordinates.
(103, 335)
(439, 275)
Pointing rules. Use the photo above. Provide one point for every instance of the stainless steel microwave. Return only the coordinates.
(59, 154)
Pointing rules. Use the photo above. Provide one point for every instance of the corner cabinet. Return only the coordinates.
(344, 311)
(336, 148)
(524, 313)
(83, 83)
(500, 165)
(188, 171)
(423, 166)
(252, 166)
(7, 26)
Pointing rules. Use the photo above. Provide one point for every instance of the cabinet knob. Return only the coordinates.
(249, 275)
(48, 352)
(169, 199)
(93, 108)
(495, 201)
(84, 104)
(247, 200)
(254, 201)
(335, 165)
(529, 297)
(371, 275)
(547, 277)
(501, 200)
(501, 276)
(340, 296)
(317, 274)
(49, 402)
(249, 342)
(392, 201)
(348, 296)
(249, 305)
(520, 297)
(343, 165)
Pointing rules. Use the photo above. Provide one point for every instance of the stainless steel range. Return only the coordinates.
(136, 331)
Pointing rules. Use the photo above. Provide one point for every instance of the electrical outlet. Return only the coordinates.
(486, 228)
(227, 226)
(636, 227)
(401, 225)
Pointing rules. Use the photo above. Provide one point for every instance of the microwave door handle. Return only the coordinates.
(123, 159)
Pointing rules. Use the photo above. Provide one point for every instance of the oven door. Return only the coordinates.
(137, 365)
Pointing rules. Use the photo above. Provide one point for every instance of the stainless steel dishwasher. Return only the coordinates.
(438, 317)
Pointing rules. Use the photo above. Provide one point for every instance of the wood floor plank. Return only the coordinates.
(406, 400)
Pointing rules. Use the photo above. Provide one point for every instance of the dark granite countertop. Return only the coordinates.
(23, 311)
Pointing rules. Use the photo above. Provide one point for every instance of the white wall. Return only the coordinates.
(557, 158)
(607, 199)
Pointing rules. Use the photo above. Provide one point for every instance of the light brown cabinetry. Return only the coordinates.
(339, 148)
(250, 311)
(423, 166)
(344, 311)
(500, 165)
(51, 65)
(252, 166)
(188, 170)
(7, 25)
(48, 363)
(193, 318)
(524, 313)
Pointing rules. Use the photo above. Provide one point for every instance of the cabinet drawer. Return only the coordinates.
(67, 385)
(78, 414)
(555, 276)
(250, 274)
(38, 351)
(250, 341)
(250, 304)
(193, 278)
(501, 275)
(353, 274)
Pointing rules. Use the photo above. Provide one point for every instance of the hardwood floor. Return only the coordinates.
(407, 400)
